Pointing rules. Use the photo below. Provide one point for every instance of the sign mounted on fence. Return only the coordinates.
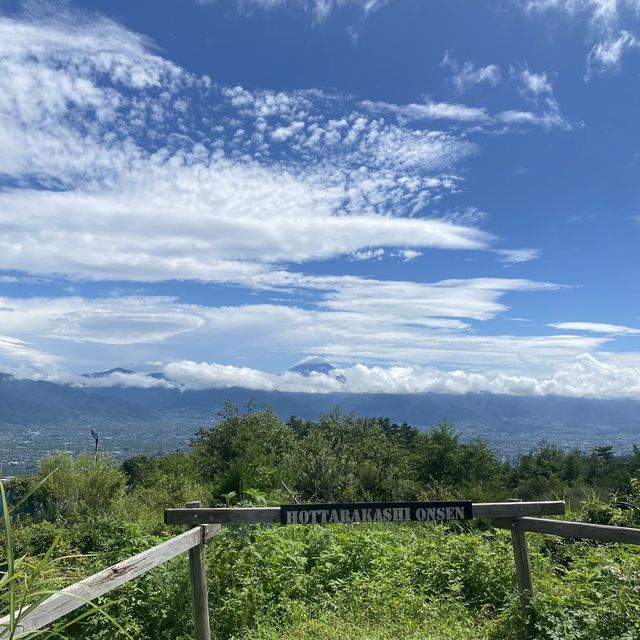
(349, 512)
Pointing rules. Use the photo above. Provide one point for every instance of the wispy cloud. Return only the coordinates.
(596, 327)
(320, 10)
(351, 319)
(367, 254)
(428, 110)
(407, 255)
(21, 357)
(547, 117)
(112, 132)
(607, 26)
(606, 55)
(516, 256)
(467, 75)
(534, 84)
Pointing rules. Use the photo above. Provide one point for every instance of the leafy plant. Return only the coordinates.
(26, 583)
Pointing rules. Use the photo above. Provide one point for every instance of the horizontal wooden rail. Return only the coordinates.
(567, 529)
(270, 515)
(77, 595)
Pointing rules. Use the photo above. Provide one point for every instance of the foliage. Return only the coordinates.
(342, 458)
(381, 582)
(80, 485)
(243, 451)
(27, 582)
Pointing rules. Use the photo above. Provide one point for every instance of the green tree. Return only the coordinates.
(438, 456)
(244, 450)
(344, 457)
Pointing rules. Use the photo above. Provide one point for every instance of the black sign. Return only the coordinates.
(349, 512)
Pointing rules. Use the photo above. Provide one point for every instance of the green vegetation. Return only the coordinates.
(422, 582)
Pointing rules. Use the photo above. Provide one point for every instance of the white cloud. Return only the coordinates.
(64, 82)
(367, 254)
(319, 9)
(549, 119)
(428, 110)
(596, 327)
(24, 359)
(585, 376)
(409, 302)
(407, 255)
(467, 216)
(76, 102)
(132, 321)
(536, 84)
(604, 14)
(548, 116)
(119, 379)
(606, 55)
(467, 75)
(353, 319)
(111, 321)
(516, 256)
(605, 375)
(239, 220)
(607, 19)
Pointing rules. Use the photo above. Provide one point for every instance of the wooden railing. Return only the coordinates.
(87, 590)
(518, 517)
(562, 528)
(271, 515)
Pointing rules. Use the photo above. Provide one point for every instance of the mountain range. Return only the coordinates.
(34, 401)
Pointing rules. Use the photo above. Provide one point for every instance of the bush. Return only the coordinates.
(73, 486)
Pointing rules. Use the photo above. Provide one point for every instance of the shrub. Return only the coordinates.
(69, 486)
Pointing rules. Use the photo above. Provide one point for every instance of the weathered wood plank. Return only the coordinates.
(223, 515)
(199, 592)
(269, 515)
(211, 530)
(518, 509)
(77, 595)
(568, 529)
(523, 570)
(523, 566)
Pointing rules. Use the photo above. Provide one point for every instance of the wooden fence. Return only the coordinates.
(519, 517)
(87, 590)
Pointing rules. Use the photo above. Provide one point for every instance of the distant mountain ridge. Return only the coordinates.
(106, 374)
(33, 402)
(309, 366)
(312, 365)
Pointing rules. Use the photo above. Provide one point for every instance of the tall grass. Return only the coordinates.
(25, 583)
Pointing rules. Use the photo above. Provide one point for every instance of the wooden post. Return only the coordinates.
(523, 567)
(199, 590)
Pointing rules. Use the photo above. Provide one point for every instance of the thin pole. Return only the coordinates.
(199, 592)
(94, 435)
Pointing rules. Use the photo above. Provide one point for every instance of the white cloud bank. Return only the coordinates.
(403, 324)
(584, 377)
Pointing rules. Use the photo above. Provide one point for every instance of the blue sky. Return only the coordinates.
(431, 196)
